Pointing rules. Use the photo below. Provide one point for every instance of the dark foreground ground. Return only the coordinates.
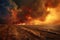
(29, 32)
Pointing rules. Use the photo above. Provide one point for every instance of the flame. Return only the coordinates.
(52, 17)
(35, 22)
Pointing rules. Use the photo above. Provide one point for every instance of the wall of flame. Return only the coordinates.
(36, 12)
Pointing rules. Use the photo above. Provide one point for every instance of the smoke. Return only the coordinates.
(4, 13)
(52, 3)
(32, 8)
(24, 11)
(54, 12)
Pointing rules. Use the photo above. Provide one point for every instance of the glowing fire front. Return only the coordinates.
(52, 17)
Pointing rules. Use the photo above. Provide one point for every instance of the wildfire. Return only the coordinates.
(35, 22)
(52, 17)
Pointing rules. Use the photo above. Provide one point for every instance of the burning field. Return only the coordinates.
(30, 19)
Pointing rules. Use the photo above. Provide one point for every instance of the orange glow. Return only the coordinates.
(35, 22)
(52, 17)
(14, 15)
(21, 24)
